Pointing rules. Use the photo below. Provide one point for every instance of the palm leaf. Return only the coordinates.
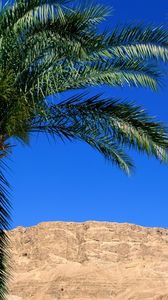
(137, 41)
(26, 9)
(5, 212)
(63, 75)
(105, 124)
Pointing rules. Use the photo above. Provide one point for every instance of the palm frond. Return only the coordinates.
(21, 10)
(5, 212)
(137, 41)
(50, 78)
(111, 152)
(105, 124)
(92, 14)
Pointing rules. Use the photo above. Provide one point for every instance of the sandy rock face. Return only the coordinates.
(86, 261)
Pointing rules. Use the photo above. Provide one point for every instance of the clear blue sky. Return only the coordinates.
(71, 182)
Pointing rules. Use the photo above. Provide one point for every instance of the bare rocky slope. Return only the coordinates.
(86, 261)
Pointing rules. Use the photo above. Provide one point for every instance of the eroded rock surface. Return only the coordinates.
(86, 261)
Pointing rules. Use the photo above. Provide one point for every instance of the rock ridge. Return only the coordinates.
(89, 260)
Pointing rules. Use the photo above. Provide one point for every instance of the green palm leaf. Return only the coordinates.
(5, 212)
(138, 42)
(104, 124)
(62, 77)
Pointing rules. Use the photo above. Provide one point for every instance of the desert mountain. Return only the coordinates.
(89, 261)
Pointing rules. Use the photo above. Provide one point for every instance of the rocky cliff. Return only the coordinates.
(86, 261)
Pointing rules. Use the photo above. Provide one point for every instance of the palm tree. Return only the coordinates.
(50, 46)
